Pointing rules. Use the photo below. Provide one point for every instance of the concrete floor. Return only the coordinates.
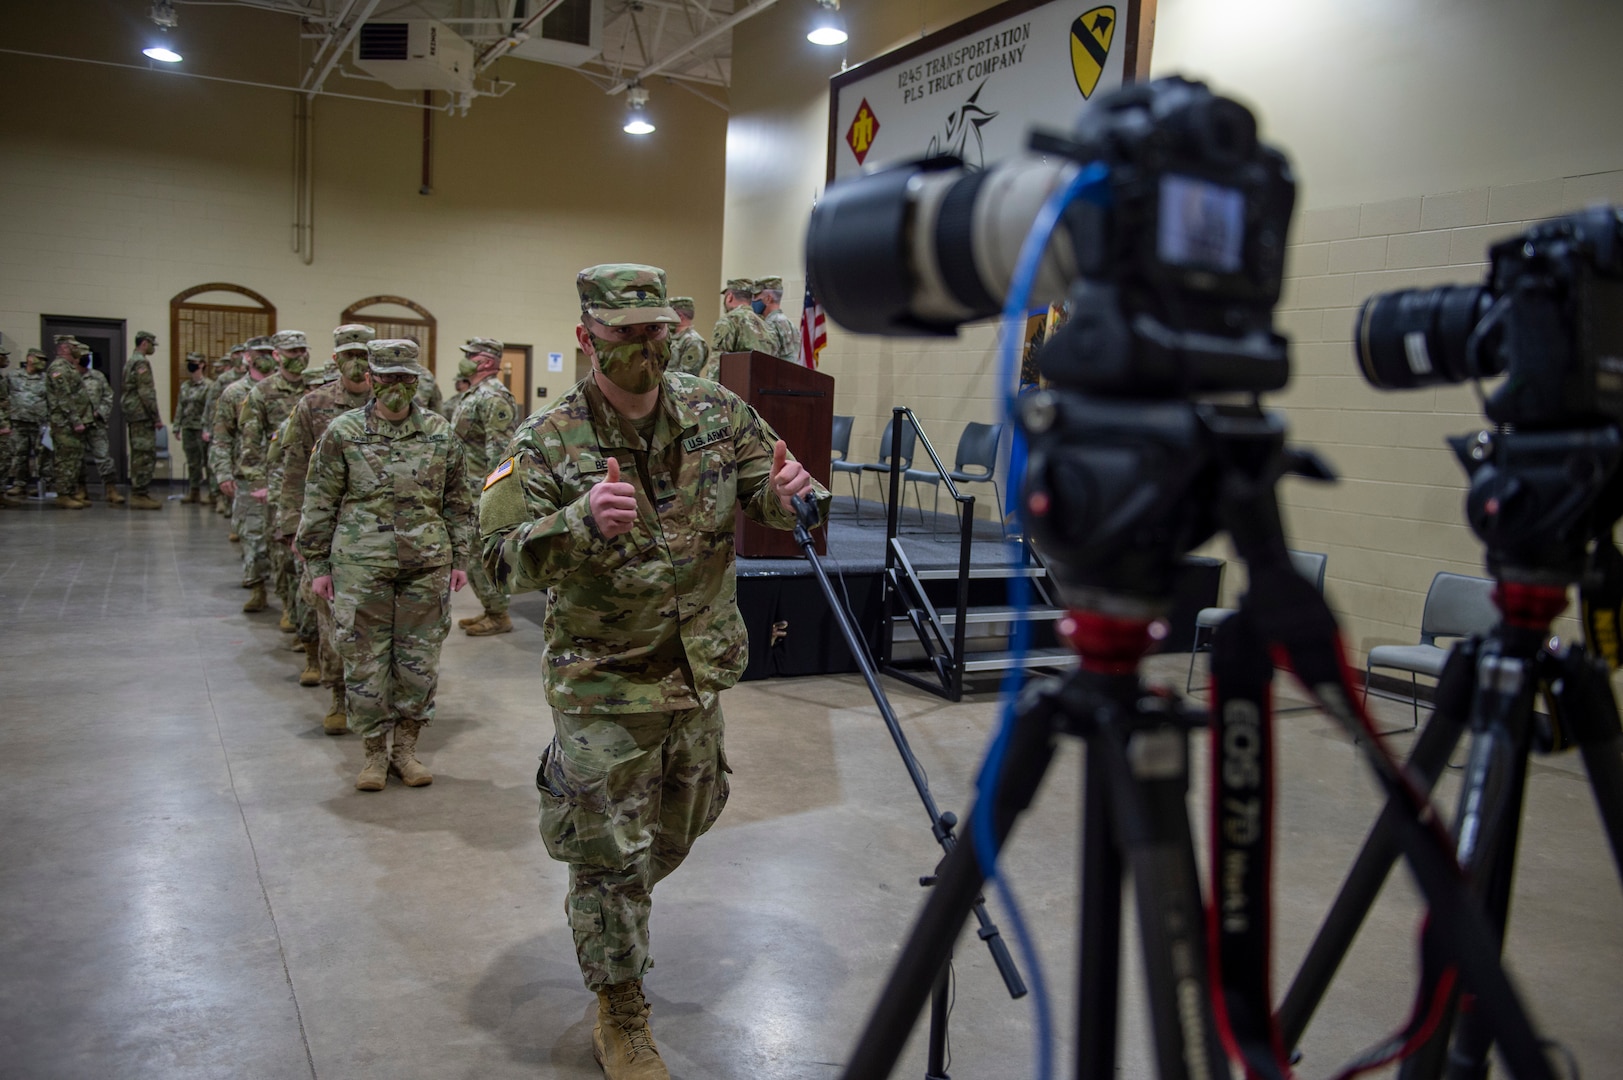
(191, 887)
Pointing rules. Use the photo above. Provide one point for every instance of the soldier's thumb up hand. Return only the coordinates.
(612, 504)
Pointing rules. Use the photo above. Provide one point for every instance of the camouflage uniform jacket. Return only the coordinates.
(784, 336)
(28, 398)
(308, 421)
(484, 422)
(140, 397)
(216, 388)
(5, 402)
(646, 621)
(740, 330)
(65, 398)
(387, 493)
(275, 473)
(189, 409)
(100, 393)
(690, 355)
(223, 436)
(429, 396)
(263, 411)
(452, 403)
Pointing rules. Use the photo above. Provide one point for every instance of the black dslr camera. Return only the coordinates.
(1544, 486)
(1550, 317)
(1172, 265)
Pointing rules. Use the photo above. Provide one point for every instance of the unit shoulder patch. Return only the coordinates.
(499, 472)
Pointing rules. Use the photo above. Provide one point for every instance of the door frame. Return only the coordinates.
(117, 331)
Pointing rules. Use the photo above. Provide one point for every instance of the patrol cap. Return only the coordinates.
(624, 294)
(289, 339)
(394, 356)
(774, 283)
(145, 335)
(483, 345)
(741, 285)
(323, 376)
(39, 353)
(238, 350)
(352, 337)
(258, 344)
(197, 356)
(80, 350)
(5, 350)
(60, 338)
(682, 305)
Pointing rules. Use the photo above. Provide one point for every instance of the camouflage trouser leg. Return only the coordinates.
(490, 594)
(389, 626)
(249, 515)
(623, 798)
(8, 455)
(284, 579)
(99, 452)
(191, 440)
(70, 457)
(143, 453)
(24, 439)
(332, 667)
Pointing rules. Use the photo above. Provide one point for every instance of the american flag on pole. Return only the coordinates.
(813, 330)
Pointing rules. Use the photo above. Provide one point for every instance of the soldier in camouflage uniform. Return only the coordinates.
(263, 410)
(690, 355)
(247, 513)
(98, 443)
(227, 370)
(484, 421)
(387, 528)
(350, 389)
(620, 502)
(739, 329)
(69, 409)
(430, 397)
(5, 428)
(781, 332)
(28, 415)
(194, 394)
(141, 420)
(462, 386)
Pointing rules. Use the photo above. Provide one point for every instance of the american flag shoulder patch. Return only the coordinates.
(499, 471)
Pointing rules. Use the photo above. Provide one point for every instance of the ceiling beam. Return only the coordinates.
(697, 43)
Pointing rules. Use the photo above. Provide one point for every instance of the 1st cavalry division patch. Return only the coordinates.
(499, 471)
(1091, 35)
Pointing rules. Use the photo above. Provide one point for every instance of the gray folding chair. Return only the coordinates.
(1310, 564)
(842, 463)
(1456, 606)
(882, 466)
(977, 450)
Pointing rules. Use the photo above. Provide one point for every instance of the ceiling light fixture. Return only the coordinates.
(828, 28)
(637, 122)
(163, 14)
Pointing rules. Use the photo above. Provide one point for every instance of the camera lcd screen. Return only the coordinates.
(1202, 224)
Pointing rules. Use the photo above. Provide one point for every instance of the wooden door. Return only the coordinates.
(515, 375)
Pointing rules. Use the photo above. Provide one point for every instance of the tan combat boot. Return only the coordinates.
(336, 722)
(192, 496)
(311, 675)
(621, 1041)
(233, 537)
(140, 500)
(470, 620)
(82, 494)
(403, 761)
(114, 496)
(490, 624)
(256, 599)
(285, 623)
(376, 771)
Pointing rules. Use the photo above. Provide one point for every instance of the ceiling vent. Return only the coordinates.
(571, 34)
(415, 54)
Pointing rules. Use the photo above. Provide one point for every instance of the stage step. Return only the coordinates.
(951, 574)
(1036, 658)
(980, 615)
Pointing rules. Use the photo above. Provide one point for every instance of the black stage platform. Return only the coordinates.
(792, 632)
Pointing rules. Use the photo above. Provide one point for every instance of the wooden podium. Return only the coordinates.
(799, 404)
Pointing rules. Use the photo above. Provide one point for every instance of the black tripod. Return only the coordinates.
(1488, 690)
(941, 823)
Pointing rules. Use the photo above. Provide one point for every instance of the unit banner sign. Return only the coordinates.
(977, 88)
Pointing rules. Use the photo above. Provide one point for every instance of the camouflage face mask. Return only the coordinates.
(352, 366)
(294, 364)
(395, 398)
(633, 366)
(264, 362)
(466, 367)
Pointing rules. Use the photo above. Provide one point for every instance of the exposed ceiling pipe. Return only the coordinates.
(519, 36)
(328, 36)
(349, 36)
(697, 43)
